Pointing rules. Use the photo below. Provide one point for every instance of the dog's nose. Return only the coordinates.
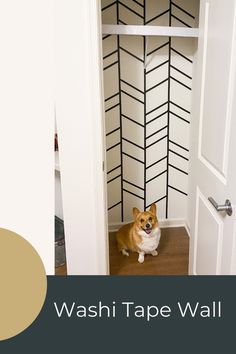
(148, 226)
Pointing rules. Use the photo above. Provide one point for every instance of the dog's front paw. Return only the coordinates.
(154, 253)
(125, 253)
(141, 258)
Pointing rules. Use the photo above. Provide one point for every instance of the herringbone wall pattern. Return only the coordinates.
(147, 103)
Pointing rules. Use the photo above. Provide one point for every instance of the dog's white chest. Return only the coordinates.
(149, 243)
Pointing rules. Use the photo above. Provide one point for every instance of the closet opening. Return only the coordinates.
(60, 251)
(147, 92)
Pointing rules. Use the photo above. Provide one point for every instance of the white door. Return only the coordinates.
(213, 162)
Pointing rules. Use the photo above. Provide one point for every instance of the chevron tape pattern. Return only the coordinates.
(146, 115)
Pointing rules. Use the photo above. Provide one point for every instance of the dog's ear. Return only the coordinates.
(153, 209)
(136, 211)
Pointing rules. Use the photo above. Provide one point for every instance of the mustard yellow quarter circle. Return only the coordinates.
(23, 284)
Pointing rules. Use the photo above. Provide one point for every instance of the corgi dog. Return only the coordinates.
(141, 236)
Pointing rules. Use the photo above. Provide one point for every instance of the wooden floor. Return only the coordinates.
(172, 258)
(61, 270)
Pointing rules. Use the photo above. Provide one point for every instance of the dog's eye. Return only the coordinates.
(142, 220)
(150, 219)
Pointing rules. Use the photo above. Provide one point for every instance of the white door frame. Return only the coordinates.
(80, 126)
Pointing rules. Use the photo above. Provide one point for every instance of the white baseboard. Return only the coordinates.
(187, 229)
(113, 227)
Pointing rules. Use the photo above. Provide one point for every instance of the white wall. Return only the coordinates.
(27, 123)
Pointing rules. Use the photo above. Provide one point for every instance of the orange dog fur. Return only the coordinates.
(142, 235)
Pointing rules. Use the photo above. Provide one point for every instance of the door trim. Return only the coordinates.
(80, 125)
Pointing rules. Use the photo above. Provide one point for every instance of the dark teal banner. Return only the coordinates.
(126, 315)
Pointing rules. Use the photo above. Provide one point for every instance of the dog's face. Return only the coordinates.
(147, 220)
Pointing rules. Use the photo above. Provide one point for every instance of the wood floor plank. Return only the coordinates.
(172, 258)
(61, 270)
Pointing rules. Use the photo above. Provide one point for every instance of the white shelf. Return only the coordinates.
(150, 30)
(57, 166)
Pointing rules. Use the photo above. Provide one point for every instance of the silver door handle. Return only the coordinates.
(225, 207)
